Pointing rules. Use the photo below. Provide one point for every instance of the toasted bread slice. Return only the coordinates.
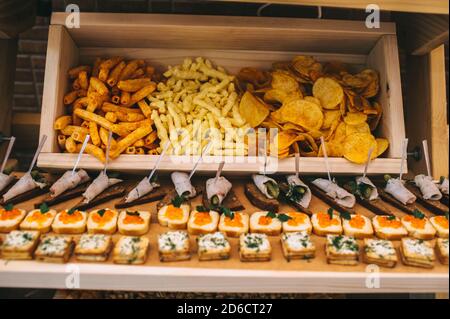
(260, 200)
(20, 244)
(342, 250)
(440, 223)
(93, 247)
(36, 220)
(134, 223)
(442, 250)
(297, 245)
(261, 223)
(254, 247)
(357, 226)
(102, 221)
(70, 222)
(234, 227)
(418, 228)
(10, 219)
(174, 217)
(54, 249)
(131, 250)
(299, 222)
(389, 227)
(417, 253)
(380, 252)
(324, 225)
(174, 246)
(203, 222)
(213, 246)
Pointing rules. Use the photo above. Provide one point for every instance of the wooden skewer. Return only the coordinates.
(108, 147)
(166, 147)
(367, 162)
(219, 170)
(427, 156)
(41, 145)
(325, 156)
(12, 139)
(83, 147)
(404, 154)
(297, 164)
(205, 150)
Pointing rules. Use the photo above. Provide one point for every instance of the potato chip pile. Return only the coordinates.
(109, 96)
(306, 100)
(195, 99)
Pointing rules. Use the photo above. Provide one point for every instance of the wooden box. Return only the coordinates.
(231, 42)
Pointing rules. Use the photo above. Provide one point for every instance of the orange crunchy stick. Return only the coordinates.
(109, 107)
(100, 120)
(133, 85)
(130, 139)
(73, 73)
(93, 150)
(143, 93)
(115, 73)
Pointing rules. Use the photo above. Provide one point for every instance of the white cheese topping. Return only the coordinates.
(380, 247)
(297, 240)
(256, 242)
(172, 241)
(343, 244)
(129, 246)
(418, 246)
(19, 238)
(53, 244)
(213, 241)
(95, 241)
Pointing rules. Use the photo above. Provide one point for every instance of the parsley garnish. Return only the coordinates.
(101, 212)
(330, 212)
(418, 214)
(346, 215)
(392, 217)
(9, 207)
(283, 217)
(71, 211)
(44, 208)
(136, 213)
(201, 208)
(178, 200)
(227, 212)
(271, 214)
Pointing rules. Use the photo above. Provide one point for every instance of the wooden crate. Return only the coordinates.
(232, 42)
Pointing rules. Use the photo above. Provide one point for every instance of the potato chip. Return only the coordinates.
(313, 100)
(281, 80)
(341, 132)
(252, 109)
(357, 146)
(334, 149)
(275, 96)
(360, 128)
(329, 92)
(293, 127)
(330, 117)
(382, 145)
(374, 122)
(303, 113)
(355, 118)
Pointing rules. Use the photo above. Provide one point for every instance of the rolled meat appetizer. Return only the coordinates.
(144, 187)
(183, 185)
(68, 181)
(298, 191)
(427, 187)
(5, 180)
(366, 189)
(338, 194)
(217, 189)
(266, 185)
(98, 185)
(397, 189)
(443, 185)
(24, 184)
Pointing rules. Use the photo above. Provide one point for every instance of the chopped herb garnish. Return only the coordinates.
(178, 200)
(71, 211)
(330, 212)
(271, 214)
(418, 214)
(346, 215)
(136, 213)
(283, 217)
(227, 212)
(101, 212)
(44, 208)
(9, 207)
(392, 217)
(201, 208)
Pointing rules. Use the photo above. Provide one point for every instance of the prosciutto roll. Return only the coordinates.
(183, 185)
(266, 185)
(370, 190)
(442, 186)
(306, 198)
(144, 187)
(218, 187)
(24, 184)
(340, 195)
(428, 188)
(395, 187)
(5, 180)
(98, 185)
(68, 181)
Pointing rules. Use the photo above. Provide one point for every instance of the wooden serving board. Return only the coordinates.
(277, 275)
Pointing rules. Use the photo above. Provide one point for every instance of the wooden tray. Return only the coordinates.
(231, 275)
(233, 43)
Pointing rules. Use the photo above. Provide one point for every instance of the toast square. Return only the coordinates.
(440, 223)
(70, 222)
(54, 248)
(389, 227)
(417, 253)
(236, 226)
(134, 223)
(102, 221)
(261, 223)
(20, 244)
(442, 250)
(93, 247)
(380, 252)
(174, 217)
(297, 245)
(174, 246)
(213, 246)
(131, 250)
(357, 226)
(419, 228)
(203, 222)
(298, 222)
(323, 224)
(10, 219)
(36, 220)
(342, 250)
(254, 247)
